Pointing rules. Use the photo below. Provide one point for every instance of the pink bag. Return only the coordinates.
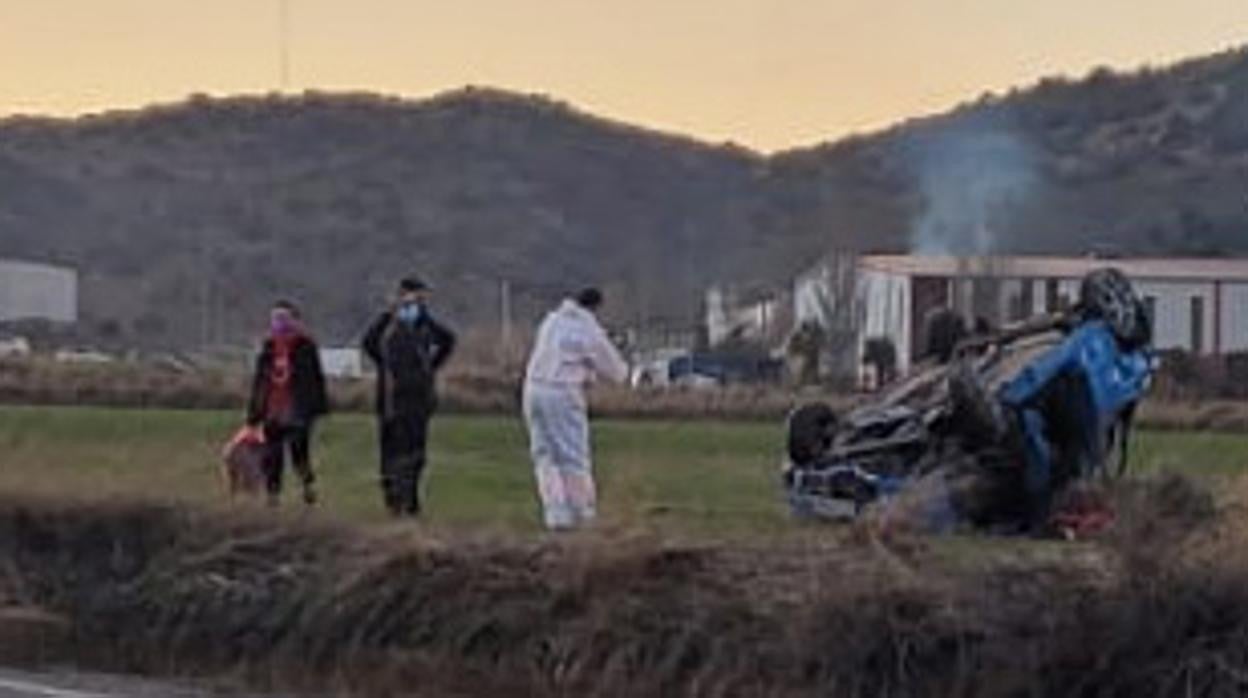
(243, 461)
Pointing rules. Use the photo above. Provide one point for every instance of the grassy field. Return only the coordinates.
(691, 477)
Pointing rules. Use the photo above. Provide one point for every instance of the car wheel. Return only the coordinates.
(811, 430)
(1106, 294)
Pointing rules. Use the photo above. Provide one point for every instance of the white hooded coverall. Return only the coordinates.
(572, 350)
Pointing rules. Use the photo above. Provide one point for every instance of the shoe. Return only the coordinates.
(309, 496)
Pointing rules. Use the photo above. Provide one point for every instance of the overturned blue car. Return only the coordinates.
(992, 433)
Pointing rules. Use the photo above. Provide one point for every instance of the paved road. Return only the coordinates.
(19, 684)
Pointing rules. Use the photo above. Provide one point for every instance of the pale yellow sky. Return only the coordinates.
(766, 73)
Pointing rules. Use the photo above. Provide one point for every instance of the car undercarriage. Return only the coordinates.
(990, 434)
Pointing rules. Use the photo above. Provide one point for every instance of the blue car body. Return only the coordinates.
(1115, 381)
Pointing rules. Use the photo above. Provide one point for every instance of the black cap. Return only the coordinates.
(589, 298)
(413, 284)
(287, 305)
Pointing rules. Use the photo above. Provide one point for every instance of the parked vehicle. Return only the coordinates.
(82, 356)
(13, 347)
(719, 369)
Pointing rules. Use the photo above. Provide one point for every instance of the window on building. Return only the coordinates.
(1050, 296)
(1198, 325)
(1150, 310)
(1025, 300)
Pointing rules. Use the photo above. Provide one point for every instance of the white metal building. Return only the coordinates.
(753, 316)
(1198, 305)
(31, 291)
(342, 362)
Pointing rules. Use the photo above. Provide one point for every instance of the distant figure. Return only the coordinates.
(983, 327)
(804, 350)
(944, 330)
(409, 347)
(287, 397)
(880, 355)
(572, 350)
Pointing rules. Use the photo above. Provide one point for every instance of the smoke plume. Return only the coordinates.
(973, 181)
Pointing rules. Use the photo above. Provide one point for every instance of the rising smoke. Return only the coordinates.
(973, 181)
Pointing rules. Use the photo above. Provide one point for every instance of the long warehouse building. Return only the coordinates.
(1197, 305)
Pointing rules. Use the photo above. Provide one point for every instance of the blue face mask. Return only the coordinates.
(409, 312)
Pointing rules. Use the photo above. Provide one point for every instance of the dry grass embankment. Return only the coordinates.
(464, 391)
(1159, 608)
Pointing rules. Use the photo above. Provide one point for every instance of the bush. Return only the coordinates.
(1186, 376)
(1190, 393)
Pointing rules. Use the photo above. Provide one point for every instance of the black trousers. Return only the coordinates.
(281, 441)
(403, 439)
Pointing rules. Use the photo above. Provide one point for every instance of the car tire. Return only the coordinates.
(811, 430)
(1106, 294)
(943, 331)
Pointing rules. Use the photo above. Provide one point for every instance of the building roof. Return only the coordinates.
(19, 265)
(1167, 269)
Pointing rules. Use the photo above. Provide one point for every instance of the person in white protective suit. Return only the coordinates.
(571, 352)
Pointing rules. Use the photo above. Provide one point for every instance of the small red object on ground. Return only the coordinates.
(1086, 512)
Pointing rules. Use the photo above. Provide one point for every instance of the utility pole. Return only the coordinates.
(284, 42)
(643, 308)
(205, 301)
(505, 315)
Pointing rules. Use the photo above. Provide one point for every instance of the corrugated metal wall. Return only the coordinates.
(885, 301)
(1174, 326)
(1235, 317)
(1222, 324)
(884, 308)
(37, 291)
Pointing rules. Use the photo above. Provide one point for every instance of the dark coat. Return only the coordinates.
(408, 358)
(308, 394)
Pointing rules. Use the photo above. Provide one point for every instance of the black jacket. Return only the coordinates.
(408, 358)
(308, 394)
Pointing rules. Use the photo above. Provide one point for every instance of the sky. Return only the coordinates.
(769, 74)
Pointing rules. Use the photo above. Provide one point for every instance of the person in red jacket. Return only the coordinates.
(287, 397)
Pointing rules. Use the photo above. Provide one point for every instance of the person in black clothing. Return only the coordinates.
(408, 347)
(287, 397)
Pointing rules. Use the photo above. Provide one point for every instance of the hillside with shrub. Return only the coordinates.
(186, 220)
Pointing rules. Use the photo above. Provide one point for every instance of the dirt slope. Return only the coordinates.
(152, 589)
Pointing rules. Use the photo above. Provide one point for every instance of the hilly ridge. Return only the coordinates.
(187, 219)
